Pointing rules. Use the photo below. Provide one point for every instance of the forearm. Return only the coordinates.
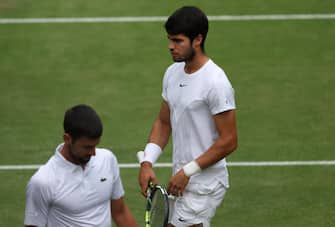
(161, 129)
(125, 219)
(122, 216)
(160, 133)
(158, 138)
(225, 144)
(219, 150)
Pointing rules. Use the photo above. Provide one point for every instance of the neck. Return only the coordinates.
(195, 63)
(67, 155)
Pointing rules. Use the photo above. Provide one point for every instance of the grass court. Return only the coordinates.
(283, 73)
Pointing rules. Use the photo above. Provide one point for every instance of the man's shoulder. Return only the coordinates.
(216, 75)
(215, 70)
(105, 154)
(44, 175)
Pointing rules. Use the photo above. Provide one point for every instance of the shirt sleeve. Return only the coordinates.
(164, 87)
(37, 202)
(117, 188)
(221, 96)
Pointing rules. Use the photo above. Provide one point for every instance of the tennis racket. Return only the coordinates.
(157, 206)
(157, 203)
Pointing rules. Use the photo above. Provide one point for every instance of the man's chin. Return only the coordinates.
(85, 161)
(178, 59)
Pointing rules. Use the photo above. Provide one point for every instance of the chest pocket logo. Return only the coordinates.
(103, 179)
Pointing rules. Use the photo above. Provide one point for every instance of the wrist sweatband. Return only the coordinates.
(191, 168)
(140, 156)
(152, 152)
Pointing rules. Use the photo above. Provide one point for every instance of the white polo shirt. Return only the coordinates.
(61, 193)
(193, 100)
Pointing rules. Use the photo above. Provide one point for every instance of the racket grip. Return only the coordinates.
(140, 156)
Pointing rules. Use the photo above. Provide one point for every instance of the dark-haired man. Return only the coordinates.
(198, 109)
(80, 185)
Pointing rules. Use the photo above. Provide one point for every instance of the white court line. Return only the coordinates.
(162, 165)
(163, 18)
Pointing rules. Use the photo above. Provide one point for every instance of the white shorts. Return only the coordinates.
(197, 205)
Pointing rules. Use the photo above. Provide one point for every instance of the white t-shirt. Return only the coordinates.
(193, 100)
(62, 194)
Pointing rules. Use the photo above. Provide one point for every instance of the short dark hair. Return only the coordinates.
(82, 121)
(190, 21)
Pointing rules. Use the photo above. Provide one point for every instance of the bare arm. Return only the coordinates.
(226, 143)
(121, 214)
(161, 128)
(159, 135)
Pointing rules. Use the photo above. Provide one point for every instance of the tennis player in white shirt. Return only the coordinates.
(198, 109)
(80, 185)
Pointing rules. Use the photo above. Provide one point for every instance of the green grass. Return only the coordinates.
(279, 196)
(283, 83)
(65, 8)
(258, 196)
(283, 73)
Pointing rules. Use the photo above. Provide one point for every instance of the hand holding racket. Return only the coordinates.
(146, 174)
(157, 206)
(157, 203)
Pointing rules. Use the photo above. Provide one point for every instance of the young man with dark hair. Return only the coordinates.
(80, 185)
(198, 109)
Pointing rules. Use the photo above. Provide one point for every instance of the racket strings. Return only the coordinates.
(158, 209)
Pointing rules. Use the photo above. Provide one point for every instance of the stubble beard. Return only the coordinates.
(77, 159)
(187, 57)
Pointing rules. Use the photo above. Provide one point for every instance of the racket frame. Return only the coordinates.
(151, 190)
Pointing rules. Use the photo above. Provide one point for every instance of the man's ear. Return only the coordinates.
(197, 41)
(67, 138)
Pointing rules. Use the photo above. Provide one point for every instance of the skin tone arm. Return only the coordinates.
(121, 214)
(226, 143)
(161, 129)
(159, 135)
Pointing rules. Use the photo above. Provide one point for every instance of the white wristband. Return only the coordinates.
(151, 153)
(140, 156)
(191, 168)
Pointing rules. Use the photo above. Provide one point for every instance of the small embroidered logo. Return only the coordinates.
(181, 219)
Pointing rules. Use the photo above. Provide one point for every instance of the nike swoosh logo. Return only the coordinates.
(182, 85)
(181, 219)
